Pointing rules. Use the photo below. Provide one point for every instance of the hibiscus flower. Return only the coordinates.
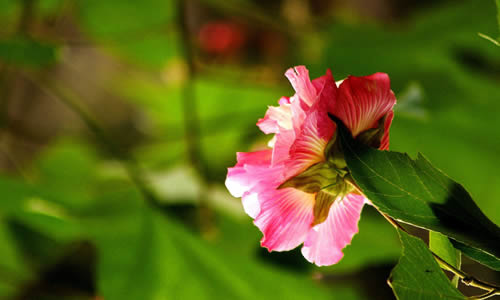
(299, 190)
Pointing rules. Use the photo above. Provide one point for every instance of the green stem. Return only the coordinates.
(132, 168)
(464, 277)
(192, 120)
(486, 295)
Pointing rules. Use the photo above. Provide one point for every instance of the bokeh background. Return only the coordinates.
(118, 120)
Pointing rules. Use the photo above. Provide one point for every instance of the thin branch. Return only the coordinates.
(190, 110)
(464, 277)
(486, 295)
(192, 120)
(71, 101)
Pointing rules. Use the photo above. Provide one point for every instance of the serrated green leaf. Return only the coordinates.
(418, 275)
(415, 192)
(442, 246)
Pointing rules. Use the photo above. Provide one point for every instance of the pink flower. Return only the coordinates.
(298, 191)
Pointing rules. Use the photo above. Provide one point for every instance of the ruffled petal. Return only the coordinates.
(282, 143)
(362, 101)
(299, 78)
(309, 147)
(324, 81)
(251, 204)
(299, 109)
(252, 176)
(325, 241)
(285, 218)
(245, 174)
(276, 118)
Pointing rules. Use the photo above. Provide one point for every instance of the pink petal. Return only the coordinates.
(362, 101)
(327, 91)
(251, 204)
(276, 118)
(299, 109)
(285, 218)
(309, 147)
(251, 176)
(243, 176)
(283, 141)
(325, 241)
(325, 80)
(299, 78)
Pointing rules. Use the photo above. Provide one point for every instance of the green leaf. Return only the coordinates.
(442, 246)
(415, 192)
(433, 51)
(25, 52)
(478, 255)
(418, 275)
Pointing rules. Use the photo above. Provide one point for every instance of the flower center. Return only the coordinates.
(329, 180)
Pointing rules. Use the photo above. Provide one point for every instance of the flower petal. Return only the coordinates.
(324, 81)
(276, 117)
(251, 204)
(282, 143)
(362, 101)
(285, 218)
(309, 147)
(325, 241)
(299, 78)
(384, 143)
(247, 171)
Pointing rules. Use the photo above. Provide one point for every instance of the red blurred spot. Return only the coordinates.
(221, 37)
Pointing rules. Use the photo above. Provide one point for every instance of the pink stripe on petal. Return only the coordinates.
(283, 141)
(299, 78)
(325, 81)
(298, 109)
(262, 157)
(285, 218)
(362, 101)
(309, 147)
(325, 241)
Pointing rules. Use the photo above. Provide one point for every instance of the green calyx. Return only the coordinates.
(328, 176)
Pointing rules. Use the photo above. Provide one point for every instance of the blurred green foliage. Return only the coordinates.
(73, 192)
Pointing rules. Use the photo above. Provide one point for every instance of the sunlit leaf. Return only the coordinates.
(418, 275)
(479, 256)
(456, 69)
(442, 246)
(415, 192)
